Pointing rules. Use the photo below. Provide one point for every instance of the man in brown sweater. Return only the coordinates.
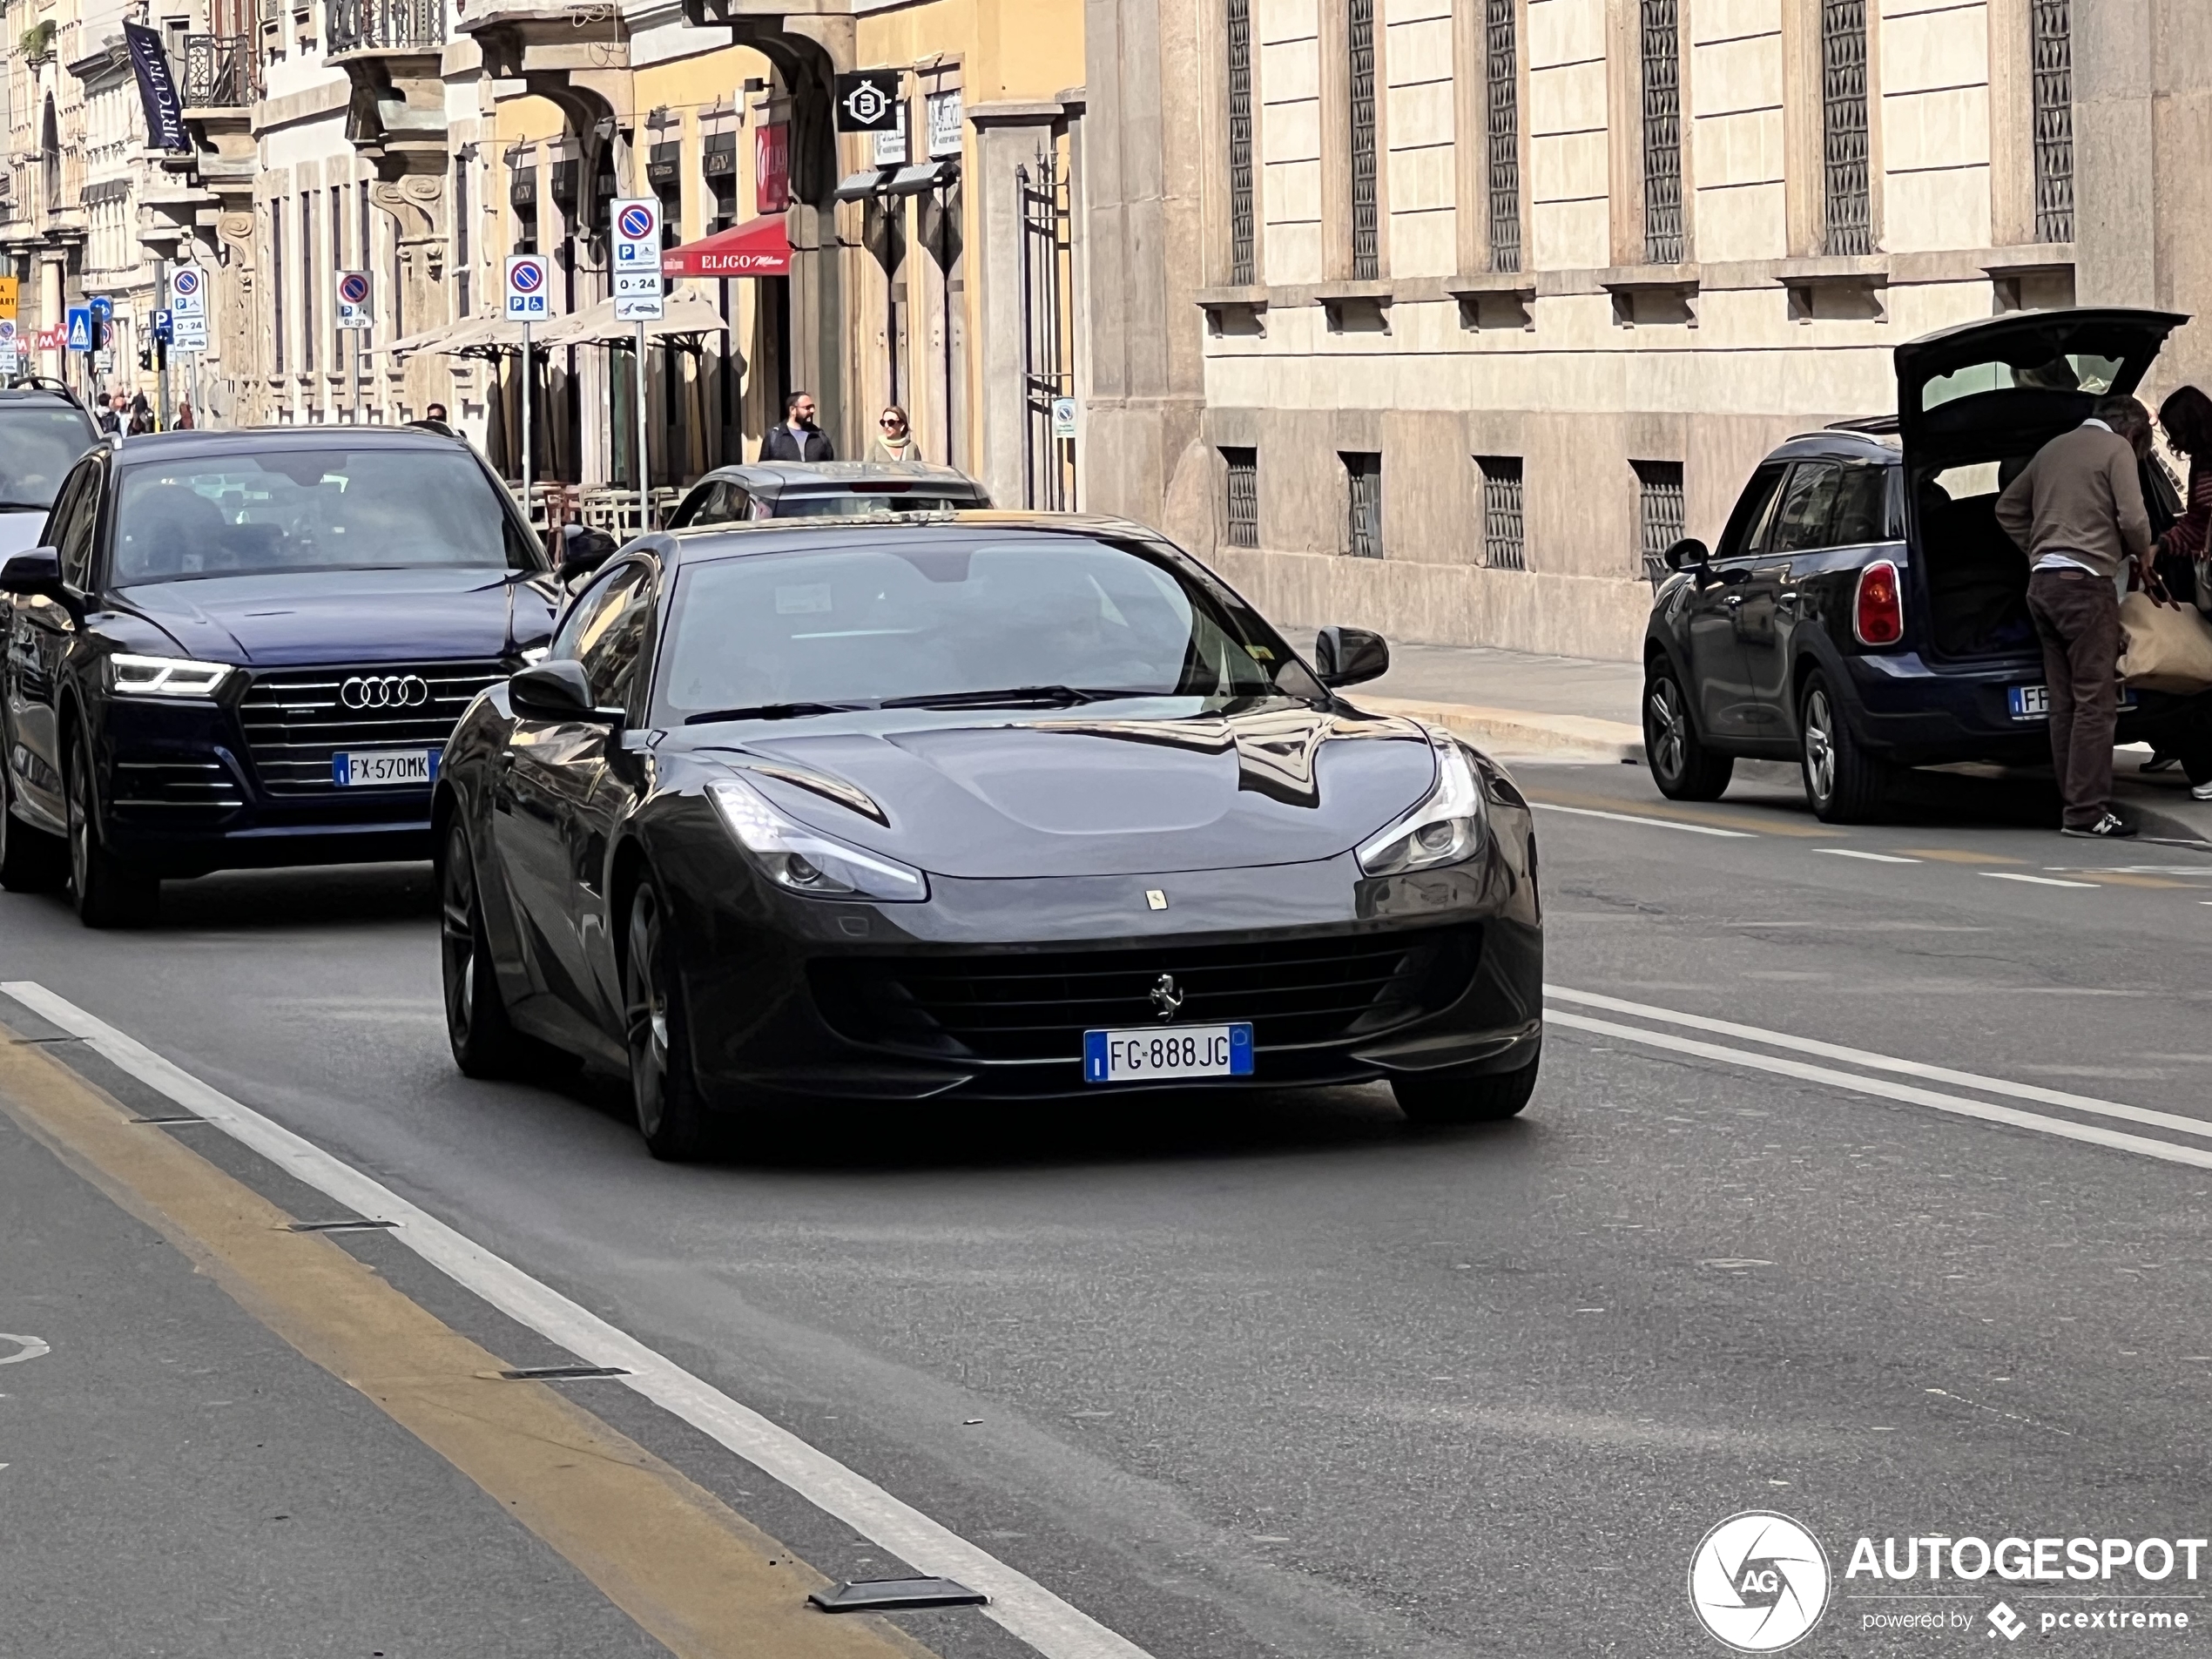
(2078, 509)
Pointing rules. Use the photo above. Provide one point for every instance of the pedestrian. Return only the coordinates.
(798, 438)
(895, 440)
(184, 420)
(2078, 510)
(110, 419)
(2186, 415)
(433, 420)
(141, 416)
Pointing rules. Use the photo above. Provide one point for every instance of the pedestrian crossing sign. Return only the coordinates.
(80, 329)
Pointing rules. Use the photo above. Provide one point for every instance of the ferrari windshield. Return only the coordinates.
(958, 620)
(38, 442)
(312, 509)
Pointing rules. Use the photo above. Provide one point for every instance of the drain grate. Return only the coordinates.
(869, 1594)
(356, 1224)
(561, 1373)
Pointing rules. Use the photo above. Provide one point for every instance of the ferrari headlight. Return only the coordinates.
(799, 859)
(166, 676)
(1447, 828)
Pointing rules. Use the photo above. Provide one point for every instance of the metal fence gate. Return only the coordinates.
(1048, 343)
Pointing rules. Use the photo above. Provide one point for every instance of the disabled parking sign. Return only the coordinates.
(529, 290)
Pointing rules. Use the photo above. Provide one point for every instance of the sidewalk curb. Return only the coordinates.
(1520, 730)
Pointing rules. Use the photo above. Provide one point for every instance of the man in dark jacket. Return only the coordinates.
(2078, 512)
(798, 438)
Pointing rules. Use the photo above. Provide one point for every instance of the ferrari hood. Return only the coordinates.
(1085, 793)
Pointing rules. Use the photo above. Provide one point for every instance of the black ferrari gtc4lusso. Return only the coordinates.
(996, 806)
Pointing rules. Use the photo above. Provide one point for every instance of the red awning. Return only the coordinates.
(758, 247)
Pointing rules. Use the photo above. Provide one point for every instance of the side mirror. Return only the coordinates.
(37, 572)
(1686, 553)
(1349, 656)
(558, 690)
(583, 550)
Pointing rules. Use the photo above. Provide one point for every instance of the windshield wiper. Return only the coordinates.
(1011, 696)
(772, 712)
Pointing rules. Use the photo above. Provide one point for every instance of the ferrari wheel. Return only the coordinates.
(671, 1115)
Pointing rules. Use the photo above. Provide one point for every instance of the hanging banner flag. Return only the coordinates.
(157, 89)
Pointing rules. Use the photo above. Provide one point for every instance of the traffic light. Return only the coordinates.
(100, 327)
(145, 356)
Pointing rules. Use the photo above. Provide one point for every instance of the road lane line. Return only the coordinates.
(1872, 858)
(1954, 855)
(691, 1571)
(2039, 881)
(1770, 824)
(1026, 1609)
(2166, 1151)
(1873, 1061)
(1653, 823)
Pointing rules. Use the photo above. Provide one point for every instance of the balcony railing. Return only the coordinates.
(389, 25)
(221, 71)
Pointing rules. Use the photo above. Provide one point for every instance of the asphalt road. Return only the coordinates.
(1261, 1375)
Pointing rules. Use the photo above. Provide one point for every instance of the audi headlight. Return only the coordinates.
(166, 676)
(799, 859)
(1447, 828)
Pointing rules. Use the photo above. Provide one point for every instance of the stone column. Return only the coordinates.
(415, 204)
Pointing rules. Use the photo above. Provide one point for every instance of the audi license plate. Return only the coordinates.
(1163, 1053)
(354, 769)
(2034, 702)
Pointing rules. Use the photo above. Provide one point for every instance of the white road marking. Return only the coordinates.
(1872, 858)
(1019, 1603)
(26, 1348)
(2039, 881)
(1653, 823)
(2164, 1150)
(1873, 1062)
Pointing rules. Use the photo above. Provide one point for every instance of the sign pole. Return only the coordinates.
(644, 457)
(526, 419)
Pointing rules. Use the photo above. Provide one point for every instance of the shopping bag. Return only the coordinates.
(2167, 647)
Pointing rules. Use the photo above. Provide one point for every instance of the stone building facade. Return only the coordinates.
(1445, 316)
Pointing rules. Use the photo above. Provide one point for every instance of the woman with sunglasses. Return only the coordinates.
(895, 440)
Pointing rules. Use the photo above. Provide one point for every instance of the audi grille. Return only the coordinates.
(295, 721)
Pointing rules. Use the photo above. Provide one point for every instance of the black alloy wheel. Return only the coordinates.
(109, 894)
(1443, 1097)
(1681, 765)
(1844, 783)
(30, 861)
(671, 1115)
(484, 1043)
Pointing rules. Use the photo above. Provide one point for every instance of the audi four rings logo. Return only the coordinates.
(385, 691)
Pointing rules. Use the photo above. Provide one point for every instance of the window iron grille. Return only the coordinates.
(1502, 50)
(1659, 513)
(2052, 42)
(1243, 499)
(1363, 479)
(389, 25)
(221, 73)
(1366, 241)
(1241, 264)
(1843, 126)
(1662, 218)
(1504, 535)
(1048, 349)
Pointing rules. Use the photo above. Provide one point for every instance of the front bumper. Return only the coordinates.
(884, 1001)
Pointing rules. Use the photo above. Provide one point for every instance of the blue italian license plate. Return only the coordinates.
(1165, 1052)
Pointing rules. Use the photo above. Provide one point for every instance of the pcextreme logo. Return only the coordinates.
(1759, 1581)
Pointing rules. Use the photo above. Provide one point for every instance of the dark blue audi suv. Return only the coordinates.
(248, 647)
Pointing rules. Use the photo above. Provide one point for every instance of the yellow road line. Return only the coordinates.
(2121, 878)
(691, 1571)
(1954, 855)
(1777, 825)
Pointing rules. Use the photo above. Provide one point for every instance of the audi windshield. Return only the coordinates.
(287, 511)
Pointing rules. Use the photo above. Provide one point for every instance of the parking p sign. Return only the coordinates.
(637, 250)
(529, 289)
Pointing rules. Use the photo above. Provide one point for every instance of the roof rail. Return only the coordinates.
(44, 383)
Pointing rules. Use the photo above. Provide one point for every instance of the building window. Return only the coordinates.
(1243, 496)
(276, 285)
(1662, 236)
(1842, 125)
(1367, 243)
(1504, 545)
(1659, 512)
(2052, 33)
(1503, 65)
(307, 281)
(1241, 271)
(1363, 479)
(462, 269)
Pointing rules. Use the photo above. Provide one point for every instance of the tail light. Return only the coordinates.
(1877, 613)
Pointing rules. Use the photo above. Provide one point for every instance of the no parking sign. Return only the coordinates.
(353, 300)
(637, 248)
(529, 288)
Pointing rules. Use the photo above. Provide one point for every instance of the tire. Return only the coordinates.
(1681, 765)
(1442, 1097)
(671, 1115)
(108, 893)
(1844, 783)
(31, 859)
(484, 1043)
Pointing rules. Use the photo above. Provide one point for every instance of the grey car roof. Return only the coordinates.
(775, 477)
